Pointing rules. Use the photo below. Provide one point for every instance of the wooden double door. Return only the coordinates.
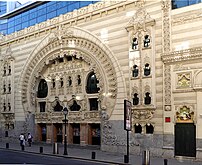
(185, 139)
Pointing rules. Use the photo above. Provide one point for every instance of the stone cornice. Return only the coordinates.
(182, 55)
(186, 17)
(71, 18)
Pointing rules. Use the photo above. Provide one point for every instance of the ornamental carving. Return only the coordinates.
(182, 55)
(166, 7)
(57, 117)
(143, 113)
(97, 56)
(108, 137)
(183, 80)
(185, 114)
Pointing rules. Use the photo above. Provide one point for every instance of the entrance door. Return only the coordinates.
(95, 134)
(76, 133)
(185, 139)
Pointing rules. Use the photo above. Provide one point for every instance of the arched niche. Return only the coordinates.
(82, 44)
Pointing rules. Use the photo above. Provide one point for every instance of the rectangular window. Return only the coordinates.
(182, 3)
(32, 22)
(93, 104)
(33, 15)
(41, 18)
(25, 24)
(11, 24)
(11, 30)
(73, 6)
(51, 15)
(25, 18)
(51, 8)
(18, 27)
(41, 12)
(42, 106)
(62, 11)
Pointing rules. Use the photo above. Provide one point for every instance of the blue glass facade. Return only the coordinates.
(39, 14)
(182, 3)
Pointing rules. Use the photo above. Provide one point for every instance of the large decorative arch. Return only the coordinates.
(77, 42)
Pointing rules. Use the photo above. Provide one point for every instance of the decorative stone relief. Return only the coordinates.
(143, 113)
(166, 7)
(185, 114)
(9, 120)
(167, 85)
(183, 80)
(36, 66)
(108, 138)
(182, 55)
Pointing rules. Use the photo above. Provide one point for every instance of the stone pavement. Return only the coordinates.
(78, 152)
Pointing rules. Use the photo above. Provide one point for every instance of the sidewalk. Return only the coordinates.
(86, 153)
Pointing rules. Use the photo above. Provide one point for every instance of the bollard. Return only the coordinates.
(55, 148)
(93, 155)
(146, 158)
(165, 161)
(7, 145)
(126, 160)
(41, 150)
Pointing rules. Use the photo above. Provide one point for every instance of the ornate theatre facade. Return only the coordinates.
(93, 58)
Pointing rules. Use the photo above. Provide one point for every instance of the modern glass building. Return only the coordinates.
(25, 15)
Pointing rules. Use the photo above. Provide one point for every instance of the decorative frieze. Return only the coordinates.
(182, 55)
(183, 19)
(57, 117)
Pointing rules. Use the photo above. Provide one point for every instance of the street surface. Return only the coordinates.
(77, 156)
(13, 157)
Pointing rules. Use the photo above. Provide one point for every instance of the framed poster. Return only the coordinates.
(127, 115)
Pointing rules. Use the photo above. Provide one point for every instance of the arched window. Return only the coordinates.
(79, 79)
(53, 83)
(135, 71)
(58, 107)
(92, 84)
(147, 99)
(42, 89)
(138, 128)
(61, 82)
(147, 70)
(135, 99)
(75, 106)
(146, 41)
(134, 43)
(70, 81)
(149, 129)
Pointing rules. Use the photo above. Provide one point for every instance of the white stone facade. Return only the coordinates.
(100, 38)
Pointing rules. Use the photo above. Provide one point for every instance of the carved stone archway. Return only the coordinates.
(86, 46)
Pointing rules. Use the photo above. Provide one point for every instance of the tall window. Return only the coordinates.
(149, 129)
(92, 84)
(93, 104)
(42, 106)
(147, 99)
(147, 70)
(42, 89)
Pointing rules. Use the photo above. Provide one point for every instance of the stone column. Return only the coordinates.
(49, 133)
(83, 134)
